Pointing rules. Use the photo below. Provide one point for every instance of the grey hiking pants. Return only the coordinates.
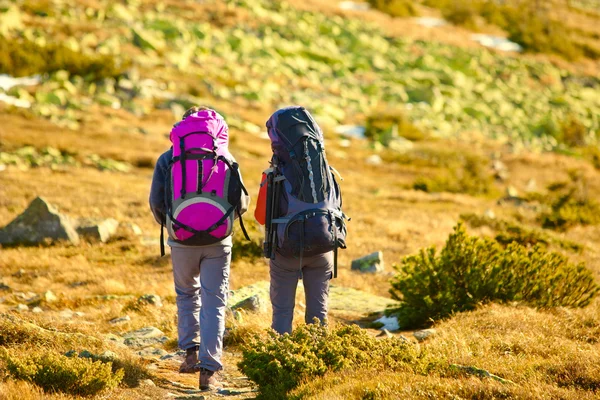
(316, 273)
(201, 277)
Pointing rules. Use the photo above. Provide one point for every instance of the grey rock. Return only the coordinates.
(22, 307)
(177, 356)
(151, 299)
(120, 320)
(37, 310)
(253, 303)
(97, 230)
(114, 338)
(233, 392)
(129, 229)
(4, 287)
(152, 353)
(40, 223)
(424, 334)
(66, 314)
(108, 356)
(28, 297)
(144, 337)
(148, 382)
(371, 263)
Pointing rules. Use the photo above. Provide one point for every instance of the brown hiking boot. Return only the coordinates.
(191, 360)
(209, 379)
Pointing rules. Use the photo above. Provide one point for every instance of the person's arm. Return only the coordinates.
(157, 190)
(260, 213)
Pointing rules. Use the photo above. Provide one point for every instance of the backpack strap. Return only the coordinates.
(335, 249)
(162, 239)
(233, 166)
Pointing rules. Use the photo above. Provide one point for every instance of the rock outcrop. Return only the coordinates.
(40, 223)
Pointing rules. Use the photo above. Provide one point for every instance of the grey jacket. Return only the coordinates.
(157, 196)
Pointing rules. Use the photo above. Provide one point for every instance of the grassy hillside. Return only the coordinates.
(115, 75)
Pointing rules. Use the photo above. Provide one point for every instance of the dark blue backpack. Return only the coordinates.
(304, 201)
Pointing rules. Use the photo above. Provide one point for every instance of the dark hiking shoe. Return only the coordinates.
(209, 379)
(191, 360)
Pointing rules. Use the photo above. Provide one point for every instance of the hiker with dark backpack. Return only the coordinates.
(197, 192)
(300, 204)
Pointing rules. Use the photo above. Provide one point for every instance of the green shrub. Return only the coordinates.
(570, 204)
(21, 57)
(278, 363)
(383, 126)
(462, 12)
(470, 271)
(592, 153)
(508, 232)
(58, 373)
(465, 174)
(572, 132)
(395, 8)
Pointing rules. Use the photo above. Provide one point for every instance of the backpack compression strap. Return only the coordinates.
(235, 167)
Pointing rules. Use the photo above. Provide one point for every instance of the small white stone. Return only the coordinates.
(50, 297)
(374, 159)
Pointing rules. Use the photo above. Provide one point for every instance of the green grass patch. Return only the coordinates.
(570, 204)
(22, 57)
(466, 173)
(470, 271)
(395, 8)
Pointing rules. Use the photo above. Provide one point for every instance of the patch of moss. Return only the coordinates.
(466, 173)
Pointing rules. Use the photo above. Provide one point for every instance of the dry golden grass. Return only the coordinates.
(547, 355)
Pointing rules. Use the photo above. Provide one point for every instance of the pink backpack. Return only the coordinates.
(204, 186)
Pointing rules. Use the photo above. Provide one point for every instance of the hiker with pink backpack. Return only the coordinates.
(300, 204)
(197, 192)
